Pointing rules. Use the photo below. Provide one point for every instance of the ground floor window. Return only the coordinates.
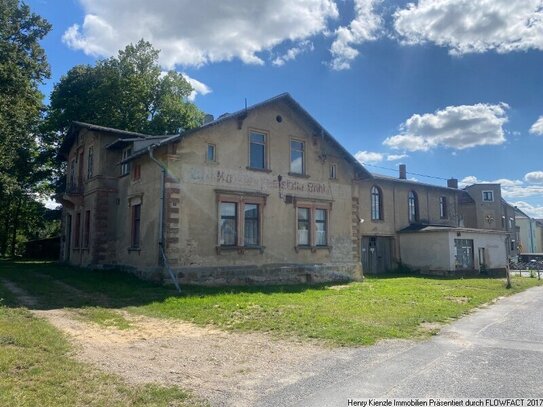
(86, 237)
(240, 220)
(136, 223)
(228, 224)
(312, 224)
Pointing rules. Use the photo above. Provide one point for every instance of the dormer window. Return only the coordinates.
(488, 196)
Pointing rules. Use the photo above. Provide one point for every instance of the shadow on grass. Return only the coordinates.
(55, 285)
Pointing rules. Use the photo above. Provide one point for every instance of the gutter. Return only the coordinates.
(161, 216)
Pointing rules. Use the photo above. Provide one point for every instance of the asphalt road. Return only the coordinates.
(495, 352)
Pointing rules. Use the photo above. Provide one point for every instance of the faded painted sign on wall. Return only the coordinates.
(265, 183)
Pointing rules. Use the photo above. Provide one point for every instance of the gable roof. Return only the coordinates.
(76, 126)
(380, 177)
(242, 114)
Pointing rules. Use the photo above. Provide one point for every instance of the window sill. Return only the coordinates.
(134, 249)
(378, 220)
(239, 249)
(312, 248)
(266, 170)
(298, 175)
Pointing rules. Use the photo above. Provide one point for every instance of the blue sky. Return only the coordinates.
(448, 87)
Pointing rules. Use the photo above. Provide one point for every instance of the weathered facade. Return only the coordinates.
(482, 207)
(263, 195)
(389, 205)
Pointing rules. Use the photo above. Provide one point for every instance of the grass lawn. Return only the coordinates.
(36, 368)
(354, 314)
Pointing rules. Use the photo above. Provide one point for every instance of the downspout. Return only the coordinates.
(161, 248)
(531, 235)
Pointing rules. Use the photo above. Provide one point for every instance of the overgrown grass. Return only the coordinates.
(36, 370)
(357, 314)
(354, 314)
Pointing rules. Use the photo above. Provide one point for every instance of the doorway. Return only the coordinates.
(68, 242)
(376, 254)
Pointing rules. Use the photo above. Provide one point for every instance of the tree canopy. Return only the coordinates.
(128, 92)
(23, 159)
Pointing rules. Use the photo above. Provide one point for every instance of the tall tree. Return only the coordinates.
(127, 92)
(23, 66)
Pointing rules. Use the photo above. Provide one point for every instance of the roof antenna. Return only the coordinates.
(243, 116)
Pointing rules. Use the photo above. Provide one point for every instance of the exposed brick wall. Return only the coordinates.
(171, 219)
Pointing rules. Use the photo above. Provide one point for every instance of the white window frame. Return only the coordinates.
(487, 192)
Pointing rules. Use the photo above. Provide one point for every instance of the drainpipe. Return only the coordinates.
(531, 236)
(161, 247)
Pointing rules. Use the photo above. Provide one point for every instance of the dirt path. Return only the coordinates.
(228, 369)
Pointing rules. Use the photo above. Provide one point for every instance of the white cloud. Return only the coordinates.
(510, 188)
(395, 157)
(365, 27)
(530, 210)
(534, 177)
(369, 157)
(473, 26)
(456, 127)
(198, 88)
(537, 127)
(292, 53)
(194, 34)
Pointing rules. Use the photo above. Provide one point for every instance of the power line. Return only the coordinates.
(408, 172)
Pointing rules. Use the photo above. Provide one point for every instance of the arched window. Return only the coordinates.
(376, 203)
(413, 207)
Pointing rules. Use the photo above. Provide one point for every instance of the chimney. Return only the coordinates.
(452, 183)
(208, 118)
(403, 171)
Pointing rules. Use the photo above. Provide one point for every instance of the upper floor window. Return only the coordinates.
(413, 207)
(125, 167)
(71, 180)
(376, 203)
(488, 196)
(90, 162)
(136, 172)
(443, 207)
(333, 171)
(257, 151)
(297, 150)
(211, 154)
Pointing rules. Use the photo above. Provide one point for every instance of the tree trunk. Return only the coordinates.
(4, 232)
(18, 202)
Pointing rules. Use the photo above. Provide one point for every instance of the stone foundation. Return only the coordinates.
(270, 274)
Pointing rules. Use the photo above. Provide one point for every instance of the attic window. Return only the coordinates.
(125, 167)
(279, 118)
(488, 196)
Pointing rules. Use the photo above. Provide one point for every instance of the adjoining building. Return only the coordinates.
(530, 233)
(263, 195)
(421, 226)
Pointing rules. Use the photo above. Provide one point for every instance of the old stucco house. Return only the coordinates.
(263, 195)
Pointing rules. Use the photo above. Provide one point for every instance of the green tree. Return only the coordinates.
(127, 92)
(23, 162)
